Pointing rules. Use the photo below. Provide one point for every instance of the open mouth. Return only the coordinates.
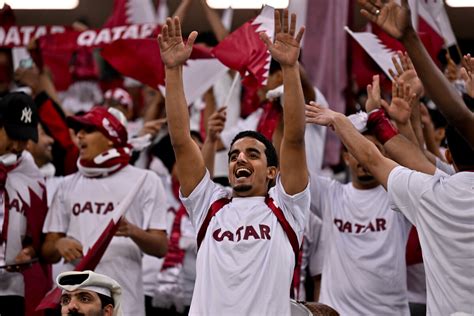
(242, 173)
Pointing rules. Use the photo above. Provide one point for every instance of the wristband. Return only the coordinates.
(379, 125)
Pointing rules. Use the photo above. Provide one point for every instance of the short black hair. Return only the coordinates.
(270, 151)
(461, 150)
(105, 300)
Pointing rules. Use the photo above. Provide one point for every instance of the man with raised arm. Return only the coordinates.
(248, 241)
(440, 206)
(395, 20)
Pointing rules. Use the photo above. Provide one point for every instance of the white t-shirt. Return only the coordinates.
(442, 208)
(83, 206)
(245, 262)
(364, 270)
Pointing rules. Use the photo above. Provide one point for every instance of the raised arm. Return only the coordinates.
(285, 50)
(395, 20)
(174, 53)
(360, 147)
(215, 21)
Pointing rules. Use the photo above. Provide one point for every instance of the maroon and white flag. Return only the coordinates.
(245, 52)
(140, 59)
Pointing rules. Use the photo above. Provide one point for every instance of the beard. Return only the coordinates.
(242, 188)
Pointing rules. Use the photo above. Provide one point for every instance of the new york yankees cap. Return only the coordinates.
(19, 116)
(91, 281)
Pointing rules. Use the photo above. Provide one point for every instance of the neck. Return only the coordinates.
(365, 186)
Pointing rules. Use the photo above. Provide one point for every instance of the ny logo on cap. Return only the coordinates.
(26, 115)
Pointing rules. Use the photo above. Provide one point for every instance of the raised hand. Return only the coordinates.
(286, 47)
(467, 74)
(174, 52)
(399, 109)
(215, 124)
(406, 72)
(394, 19)
(317, 114)
(373, 95)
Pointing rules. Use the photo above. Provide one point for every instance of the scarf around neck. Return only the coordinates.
(105, 164)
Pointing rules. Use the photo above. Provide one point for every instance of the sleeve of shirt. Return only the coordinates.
(198, 202)
(57, 218)
(295, 207)
(405, 188)
(156, 204)
(318, 190)
(445, 167)
(315, 253)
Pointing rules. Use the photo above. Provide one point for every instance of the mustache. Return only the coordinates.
(74, 313)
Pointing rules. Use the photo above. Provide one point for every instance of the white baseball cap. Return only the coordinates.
(89, 280)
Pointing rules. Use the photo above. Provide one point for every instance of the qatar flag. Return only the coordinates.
(245, 52)
(131, 12)
(140, 59)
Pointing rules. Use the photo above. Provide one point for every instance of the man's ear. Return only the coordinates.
(345, 156)
(272, 173)
(108, 310)
(448, 156)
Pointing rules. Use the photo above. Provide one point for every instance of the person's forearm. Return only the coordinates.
(407, 131)
(415, 121)
(49, 252)
(359, 146)
(153, 243)
(182, 9)
(176, 107)
(215, 21)
(293, 109)
(438, 87)
(429, 135)
(408, 154)
(208, 152)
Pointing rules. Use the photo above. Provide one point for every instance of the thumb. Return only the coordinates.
(191, 38)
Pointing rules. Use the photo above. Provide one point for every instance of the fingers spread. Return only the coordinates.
(277, 22)
(285, 21)
(293, 24)
(299, 36)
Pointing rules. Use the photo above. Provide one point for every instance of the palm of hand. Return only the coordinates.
(174, 52)
(399, 110)
(394, 19)
(285, 50)
(411, 78)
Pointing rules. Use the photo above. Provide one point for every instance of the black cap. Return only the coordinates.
(19, 116)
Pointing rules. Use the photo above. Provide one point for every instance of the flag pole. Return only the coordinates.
(232, 87)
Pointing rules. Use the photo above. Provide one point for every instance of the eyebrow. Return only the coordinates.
(250, 149)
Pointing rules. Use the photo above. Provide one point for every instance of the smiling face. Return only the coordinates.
(92, 143)
(42, 150)
(249, 174)
(83, 302)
